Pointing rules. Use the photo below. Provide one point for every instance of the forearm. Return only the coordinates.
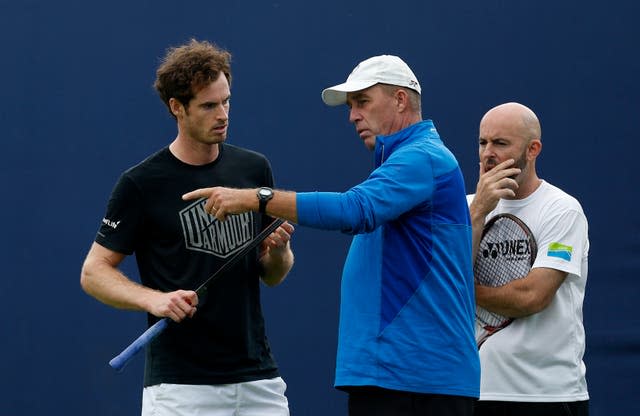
(515, 300)
(222, 202)
(496, 300)
(110, 286)
(282, 205)
(477, 225)
(276, 265)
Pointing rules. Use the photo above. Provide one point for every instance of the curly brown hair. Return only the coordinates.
(187, 69)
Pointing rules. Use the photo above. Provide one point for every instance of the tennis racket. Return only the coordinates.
(121, 360)
(506, 253)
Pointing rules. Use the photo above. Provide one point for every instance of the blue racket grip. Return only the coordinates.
(119, 361)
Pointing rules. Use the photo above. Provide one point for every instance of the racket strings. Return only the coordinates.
(504, 255)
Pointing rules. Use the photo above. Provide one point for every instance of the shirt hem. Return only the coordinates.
(534, 398)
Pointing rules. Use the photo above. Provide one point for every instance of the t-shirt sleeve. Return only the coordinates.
(561, 242)
(123, 219)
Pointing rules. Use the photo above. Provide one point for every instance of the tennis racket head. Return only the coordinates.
(506, 252)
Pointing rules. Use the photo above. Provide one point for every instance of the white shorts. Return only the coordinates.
(253, 398)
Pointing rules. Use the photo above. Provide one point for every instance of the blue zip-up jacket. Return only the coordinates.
(407, 301)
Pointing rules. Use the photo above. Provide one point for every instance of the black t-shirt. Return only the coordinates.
(225, 341)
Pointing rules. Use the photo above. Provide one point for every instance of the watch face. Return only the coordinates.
(264, 195)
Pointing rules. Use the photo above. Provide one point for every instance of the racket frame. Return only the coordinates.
(533, 247)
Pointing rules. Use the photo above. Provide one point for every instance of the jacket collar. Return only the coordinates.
(385, 145)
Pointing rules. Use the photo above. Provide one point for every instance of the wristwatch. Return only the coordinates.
(264, 195)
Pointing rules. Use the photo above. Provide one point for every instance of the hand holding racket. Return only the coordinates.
(119, 361)
(506, 252)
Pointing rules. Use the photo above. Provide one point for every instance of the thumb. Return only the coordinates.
(194, 299)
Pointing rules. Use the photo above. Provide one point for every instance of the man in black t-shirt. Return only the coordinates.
(217, 359)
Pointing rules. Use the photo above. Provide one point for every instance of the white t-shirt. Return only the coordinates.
(538, 358)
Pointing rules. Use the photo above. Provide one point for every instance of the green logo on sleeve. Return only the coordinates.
(560, 250)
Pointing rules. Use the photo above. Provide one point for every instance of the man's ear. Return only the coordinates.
(534, 149)
(402, 100)
(177, 109)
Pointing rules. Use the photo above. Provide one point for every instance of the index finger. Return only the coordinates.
(503, 165)
(504, 169)
(198, 193)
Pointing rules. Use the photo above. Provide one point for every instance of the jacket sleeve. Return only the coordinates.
(402, 182)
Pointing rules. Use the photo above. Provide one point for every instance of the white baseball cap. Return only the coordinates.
(385, 69)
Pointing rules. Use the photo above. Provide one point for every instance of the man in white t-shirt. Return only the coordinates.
(533, 366)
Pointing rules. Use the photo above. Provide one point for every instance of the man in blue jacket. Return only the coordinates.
(406, 343)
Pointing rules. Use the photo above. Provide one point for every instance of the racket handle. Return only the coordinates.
(120, 361)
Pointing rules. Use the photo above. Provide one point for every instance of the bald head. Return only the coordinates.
(511, 131)
(515, 117)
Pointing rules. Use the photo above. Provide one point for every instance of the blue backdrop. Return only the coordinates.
(78, 107)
